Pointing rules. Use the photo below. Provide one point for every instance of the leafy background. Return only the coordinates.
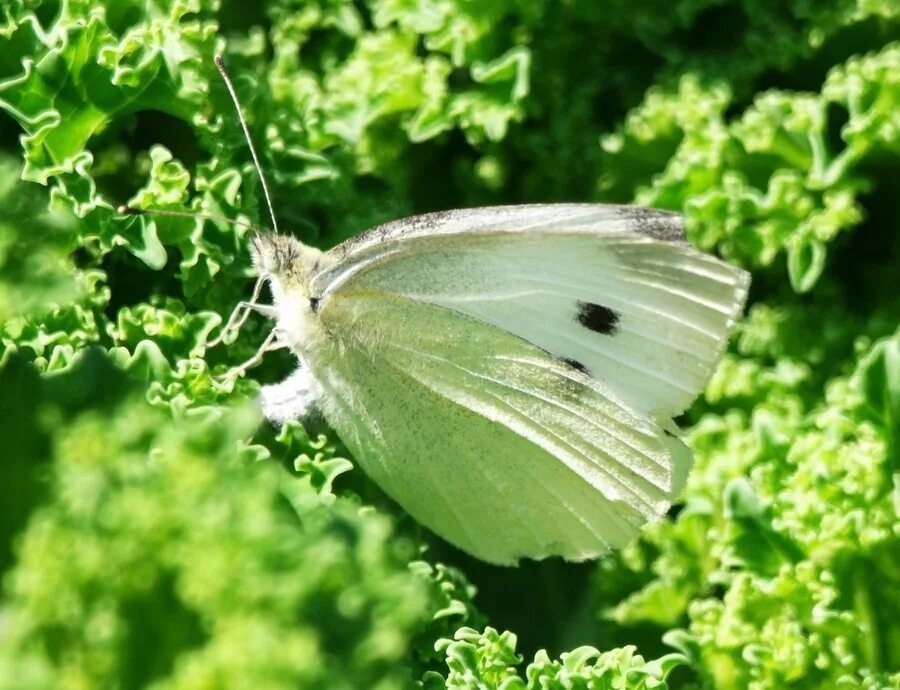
(154, 534)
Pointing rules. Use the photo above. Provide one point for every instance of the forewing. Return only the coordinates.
(486, 439)
(610, 290)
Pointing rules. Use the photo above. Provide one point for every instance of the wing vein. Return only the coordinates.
(599, 466)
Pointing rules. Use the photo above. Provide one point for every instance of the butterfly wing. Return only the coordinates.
(615, 291)
(485, 438)
(505, 374)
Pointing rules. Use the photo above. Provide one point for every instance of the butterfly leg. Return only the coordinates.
(270, 344)
(293, 398)
(241, 313)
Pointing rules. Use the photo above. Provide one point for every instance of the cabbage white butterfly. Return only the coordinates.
(508, 375)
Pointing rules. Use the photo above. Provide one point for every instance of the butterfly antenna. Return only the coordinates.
(132, 211)
(220, 65)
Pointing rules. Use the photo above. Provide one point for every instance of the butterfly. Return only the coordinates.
(508, 375)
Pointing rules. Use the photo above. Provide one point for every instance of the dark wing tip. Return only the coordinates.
(650, 222)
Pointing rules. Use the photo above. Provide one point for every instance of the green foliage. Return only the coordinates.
(768, 183)
(154, 534)
(175, 554)
(488, 661)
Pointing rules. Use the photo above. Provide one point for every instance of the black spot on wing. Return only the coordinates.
(597, 318)
(578, 366)
(314, 304)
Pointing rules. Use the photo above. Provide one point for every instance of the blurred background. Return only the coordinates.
(154, 533)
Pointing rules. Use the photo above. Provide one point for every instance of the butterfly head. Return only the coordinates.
(285, 260)
(289, 266)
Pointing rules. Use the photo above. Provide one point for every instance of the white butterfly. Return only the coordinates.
(508, 375)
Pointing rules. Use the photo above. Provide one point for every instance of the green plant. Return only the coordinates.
(153, 533)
